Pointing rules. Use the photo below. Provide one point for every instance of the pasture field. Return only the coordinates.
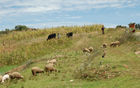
(119, 69)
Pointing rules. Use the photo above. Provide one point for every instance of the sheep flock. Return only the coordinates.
(34, 70)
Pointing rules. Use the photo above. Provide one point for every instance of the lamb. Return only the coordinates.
(90, 49)
(86, 50)
(53, 61)
(36, 70)
(49, 68)
(0, 78)
(5, 77)
(16, 75)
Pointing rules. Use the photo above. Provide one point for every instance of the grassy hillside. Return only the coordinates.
(120, 63)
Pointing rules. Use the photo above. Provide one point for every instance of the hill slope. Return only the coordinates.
(20, 47)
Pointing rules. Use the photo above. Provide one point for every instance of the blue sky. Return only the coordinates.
(52, 13)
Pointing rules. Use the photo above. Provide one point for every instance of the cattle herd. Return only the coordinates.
(54, 35)
(50, 63)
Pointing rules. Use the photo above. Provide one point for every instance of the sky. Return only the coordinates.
(53, 13)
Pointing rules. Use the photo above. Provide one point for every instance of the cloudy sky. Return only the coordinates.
(52, 13)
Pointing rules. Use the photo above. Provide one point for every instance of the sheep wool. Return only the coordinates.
(16, 75)
(49, 68)
(5, 77)
(36, 70)
(53, 61)
(90, 49)
(86, 50)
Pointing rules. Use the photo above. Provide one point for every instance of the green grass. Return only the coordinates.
(33, 45)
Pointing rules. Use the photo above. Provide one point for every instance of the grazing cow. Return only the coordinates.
(51, 36)
(70, 34)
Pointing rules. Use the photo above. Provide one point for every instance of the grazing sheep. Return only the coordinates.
(49, 68)
(117, 43)
(90, 49)
(86, 50)
(5, 77)
(0, 78)
(15, 75)
(36, 70)
(53, 61)
(114, 44)
(104, 45)
(137, 52)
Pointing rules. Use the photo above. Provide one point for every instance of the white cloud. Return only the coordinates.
(14, 6)
(20, 7)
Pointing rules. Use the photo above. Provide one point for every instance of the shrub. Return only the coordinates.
(21, 27)
(126, 36)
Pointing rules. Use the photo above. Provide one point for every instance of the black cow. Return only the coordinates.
(51, 36)
(70, 34)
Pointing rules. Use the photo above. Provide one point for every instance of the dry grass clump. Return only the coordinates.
(94, 69)
(98, 73)
(126, 36)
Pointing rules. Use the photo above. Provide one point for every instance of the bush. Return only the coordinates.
(21, 27)
(126, 36)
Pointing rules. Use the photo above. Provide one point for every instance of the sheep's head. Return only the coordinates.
(22, 77)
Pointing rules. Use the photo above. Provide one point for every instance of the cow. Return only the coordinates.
(51, 36)
(70, 34)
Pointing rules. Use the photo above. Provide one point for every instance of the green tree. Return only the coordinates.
(137, 26)
(7, 30)
(21, 27)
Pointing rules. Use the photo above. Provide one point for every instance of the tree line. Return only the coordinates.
(17, 28)
(137, 26)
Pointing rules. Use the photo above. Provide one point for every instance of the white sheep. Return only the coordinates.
(5, 77)
(53, 61)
